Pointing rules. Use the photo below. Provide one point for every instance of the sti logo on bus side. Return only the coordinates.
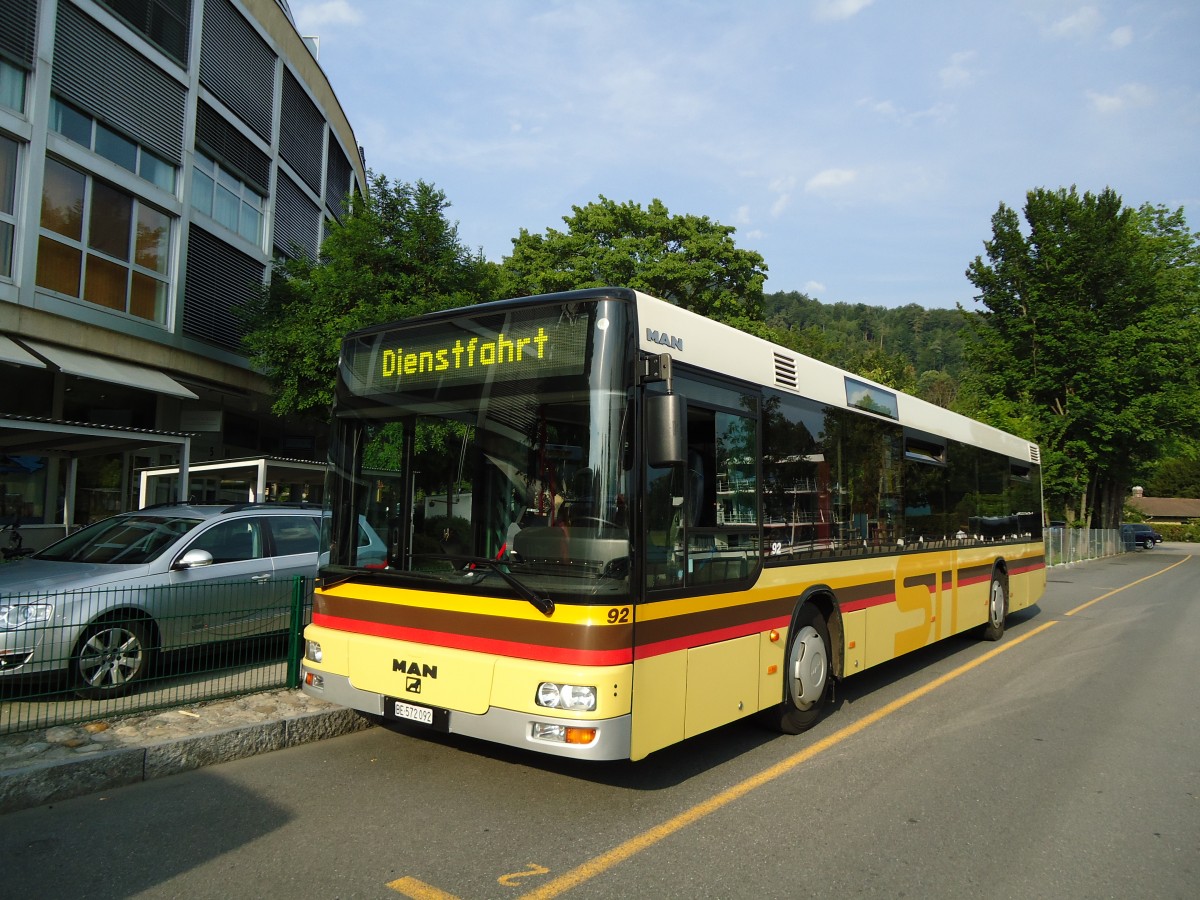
(666, 340)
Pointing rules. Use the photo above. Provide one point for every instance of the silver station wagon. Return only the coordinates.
(103, 601)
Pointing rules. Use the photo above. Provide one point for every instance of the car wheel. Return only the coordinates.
(807, 676)
(993, 629)
(1148, 544)
(110, 659)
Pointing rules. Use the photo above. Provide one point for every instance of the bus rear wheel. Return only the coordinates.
(807, 678)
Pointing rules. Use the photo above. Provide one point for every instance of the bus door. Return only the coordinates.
(701, 534)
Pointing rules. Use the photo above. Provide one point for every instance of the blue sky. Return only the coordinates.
(860, 146)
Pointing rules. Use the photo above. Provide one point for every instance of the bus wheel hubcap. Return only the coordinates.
(809, 667)
(997, 608)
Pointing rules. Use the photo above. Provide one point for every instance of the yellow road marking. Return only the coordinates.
(1084, 606)
(646, 839)
(418, 890)
(512, 879)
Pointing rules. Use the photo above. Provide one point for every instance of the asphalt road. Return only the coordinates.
(1062, 762)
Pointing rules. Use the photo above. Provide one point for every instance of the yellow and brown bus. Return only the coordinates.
(613, 524)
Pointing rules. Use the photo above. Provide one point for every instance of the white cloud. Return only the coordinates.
(813, 288)
(1081, 23)
(885, 108)
(833, 10)
(783, 188)
(311, 17)
(830, 179)
(1127, 96)
(939, 112)
(956, 73)
(1121, 37)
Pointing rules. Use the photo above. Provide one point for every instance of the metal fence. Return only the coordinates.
(1065, 546)
(78, 656)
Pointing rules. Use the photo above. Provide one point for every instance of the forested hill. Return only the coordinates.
(907, 347)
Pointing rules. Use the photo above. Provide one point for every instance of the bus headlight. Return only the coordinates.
(312, 651)
(573, 697)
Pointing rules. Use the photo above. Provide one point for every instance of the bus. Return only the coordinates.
(669, 525)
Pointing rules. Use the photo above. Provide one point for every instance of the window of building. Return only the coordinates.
(12, 87)
(87, 132)
(104, 245)
(163, 22)
(8, 196)
(218, 193)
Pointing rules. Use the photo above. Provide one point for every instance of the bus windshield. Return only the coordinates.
(491, 449)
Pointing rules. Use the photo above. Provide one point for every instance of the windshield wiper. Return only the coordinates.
(544, 605)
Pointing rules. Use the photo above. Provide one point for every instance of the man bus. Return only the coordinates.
(644, 525)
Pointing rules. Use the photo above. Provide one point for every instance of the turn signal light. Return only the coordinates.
(563, 734)
(581, 735)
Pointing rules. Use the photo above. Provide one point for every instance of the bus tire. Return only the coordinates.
(808, 675)
(997, 611)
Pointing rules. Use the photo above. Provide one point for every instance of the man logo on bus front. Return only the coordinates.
(413, 685)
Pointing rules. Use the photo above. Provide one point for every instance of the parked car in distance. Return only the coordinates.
(103, 601)
(1137, 534)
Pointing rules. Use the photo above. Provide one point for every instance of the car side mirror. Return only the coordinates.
(194, 559)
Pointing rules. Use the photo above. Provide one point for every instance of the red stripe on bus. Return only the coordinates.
(700, 639)
(867, 602)
(980, 579)
(493, 646)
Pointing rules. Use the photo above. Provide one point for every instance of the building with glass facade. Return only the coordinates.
(155, 156)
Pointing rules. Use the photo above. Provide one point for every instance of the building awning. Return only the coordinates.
(87, 365)
(12, 352)
(29, 436)
(26, 436)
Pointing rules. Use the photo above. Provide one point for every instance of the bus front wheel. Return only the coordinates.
(993, 629)
(807, 676)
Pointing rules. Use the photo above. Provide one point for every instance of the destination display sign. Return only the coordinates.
(538, 344)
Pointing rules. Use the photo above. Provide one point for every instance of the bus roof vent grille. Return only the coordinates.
(785, 370)
(1035, 454)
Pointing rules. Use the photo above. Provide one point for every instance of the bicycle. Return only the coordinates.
(15, 548)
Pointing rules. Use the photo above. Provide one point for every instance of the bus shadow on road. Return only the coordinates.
(701, 754)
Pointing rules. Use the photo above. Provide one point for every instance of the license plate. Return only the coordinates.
(412, 712)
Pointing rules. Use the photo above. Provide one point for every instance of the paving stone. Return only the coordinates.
(67, 761)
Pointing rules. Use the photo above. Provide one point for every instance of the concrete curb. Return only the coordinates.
(47, 782)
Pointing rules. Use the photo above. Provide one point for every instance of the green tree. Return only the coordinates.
(938, 388)
(1089, 344)
(394, 255)
(1176, 476)
(858, 337)
(690, 261)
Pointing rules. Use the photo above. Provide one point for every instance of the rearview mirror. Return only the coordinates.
(666, 430)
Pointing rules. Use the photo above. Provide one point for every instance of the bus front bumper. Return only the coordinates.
(500, 726)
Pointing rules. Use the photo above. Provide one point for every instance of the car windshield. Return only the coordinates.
(121, 540)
